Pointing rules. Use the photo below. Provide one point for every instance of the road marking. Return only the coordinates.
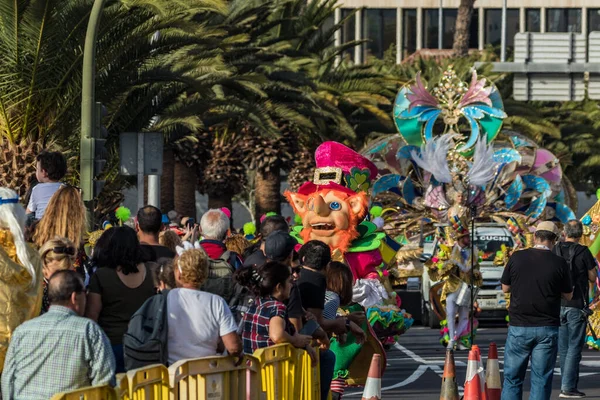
(418, 358)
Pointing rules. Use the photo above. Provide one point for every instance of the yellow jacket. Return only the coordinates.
(20, 301)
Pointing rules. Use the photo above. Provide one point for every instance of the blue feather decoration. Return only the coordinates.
(538, 184)
(563, 213)
(537, 207)
(514, 192)
(385, 183)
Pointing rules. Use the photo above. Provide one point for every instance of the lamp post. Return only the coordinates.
(441, 25)
(88, 99)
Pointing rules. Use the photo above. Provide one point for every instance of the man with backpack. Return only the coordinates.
(223, 263)
(573, 313)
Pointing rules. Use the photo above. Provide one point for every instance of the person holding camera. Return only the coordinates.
(575, 312)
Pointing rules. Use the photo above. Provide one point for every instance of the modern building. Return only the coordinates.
(411, 25)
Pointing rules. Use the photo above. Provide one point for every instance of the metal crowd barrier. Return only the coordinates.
(278, 372)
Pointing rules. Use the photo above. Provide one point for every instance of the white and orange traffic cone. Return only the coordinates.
(493, 382)
(480, 371)
(473, 384)
(373, 385)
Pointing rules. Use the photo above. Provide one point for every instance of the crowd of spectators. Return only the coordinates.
(223, 293)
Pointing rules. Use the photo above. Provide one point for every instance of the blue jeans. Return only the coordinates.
(541, 345)
(327, 364)
(571, 338)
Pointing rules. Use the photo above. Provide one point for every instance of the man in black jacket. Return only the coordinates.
(571, 335)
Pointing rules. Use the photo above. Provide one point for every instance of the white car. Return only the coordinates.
(489, 237)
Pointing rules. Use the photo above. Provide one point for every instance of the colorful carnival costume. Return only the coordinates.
(20, 271)
(591, 238)
(333, 208)
(451, 156)
(452, 266)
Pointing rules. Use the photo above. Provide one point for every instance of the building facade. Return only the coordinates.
(411, 25)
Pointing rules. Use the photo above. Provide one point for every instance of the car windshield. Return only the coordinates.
(490, 239)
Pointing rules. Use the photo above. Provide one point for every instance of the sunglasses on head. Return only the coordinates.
(64, 250)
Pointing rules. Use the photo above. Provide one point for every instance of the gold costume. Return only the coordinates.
(20, 301)
(446, 267)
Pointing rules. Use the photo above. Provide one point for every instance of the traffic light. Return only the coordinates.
(100, 133)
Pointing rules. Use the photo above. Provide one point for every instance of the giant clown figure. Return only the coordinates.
(333, 207)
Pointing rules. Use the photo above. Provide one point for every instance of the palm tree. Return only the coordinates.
(460, 46)
(139, 73)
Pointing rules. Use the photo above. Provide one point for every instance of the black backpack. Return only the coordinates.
(146, 339)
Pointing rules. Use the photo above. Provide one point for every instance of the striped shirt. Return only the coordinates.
(56, 352)
(332, 303)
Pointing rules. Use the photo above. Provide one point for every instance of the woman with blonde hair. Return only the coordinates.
(57, 254)
(64, 217)
(198, 320)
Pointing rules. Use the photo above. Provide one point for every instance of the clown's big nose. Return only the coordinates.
(320, 206)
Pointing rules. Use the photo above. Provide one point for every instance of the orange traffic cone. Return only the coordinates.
(373, 385)
(493, 383)
(480, 371)
(473, 383)
(449, 386)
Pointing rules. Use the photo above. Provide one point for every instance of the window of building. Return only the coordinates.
(533, 18)
(379, 28)
(348, 30)
(593, 20)
(430, 28)
(409, 32)
(493, 26)
(563, 20)
(449, 25)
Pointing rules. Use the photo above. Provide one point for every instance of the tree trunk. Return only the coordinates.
(167, 195)
(460, 47)
(267, 192)
(185, 179)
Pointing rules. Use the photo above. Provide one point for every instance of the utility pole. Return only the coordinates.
(441, 25)
(88, 101)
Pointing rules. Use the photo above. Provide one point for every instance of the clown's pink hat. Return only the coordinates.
(335, 162)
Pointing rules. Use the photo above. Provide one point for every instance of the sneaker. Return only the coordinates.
(571, 394)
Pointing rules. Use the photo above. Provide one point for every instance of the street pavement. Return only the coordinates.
(416, 363)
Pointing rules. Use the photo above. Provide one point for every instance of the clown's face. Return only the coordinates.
(330, 216)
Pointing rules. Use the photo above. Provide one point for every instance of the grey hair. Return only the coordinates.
(12, 217)
(574, 229)
(214, 225)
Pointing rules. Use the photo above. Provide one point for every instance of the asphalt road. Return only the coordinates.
(416, 364)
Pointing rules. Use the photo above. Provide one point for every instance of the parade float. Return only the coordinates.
(451, 159)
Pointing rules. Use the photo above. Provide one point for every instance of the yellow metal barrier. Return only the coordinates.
(278, 371)
(216, 378)
(309, 379)
(122, 387)
(90, 393)
(149, 383)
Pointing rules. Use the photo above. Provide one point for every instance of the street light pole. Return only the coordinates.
(86, 147)
(441, 25)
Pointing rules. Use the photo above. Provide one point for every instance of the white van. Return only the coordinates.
(489, 237)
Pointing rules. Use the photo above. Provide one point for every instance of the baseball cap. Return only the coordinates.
(279, 245)
(547, 226)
